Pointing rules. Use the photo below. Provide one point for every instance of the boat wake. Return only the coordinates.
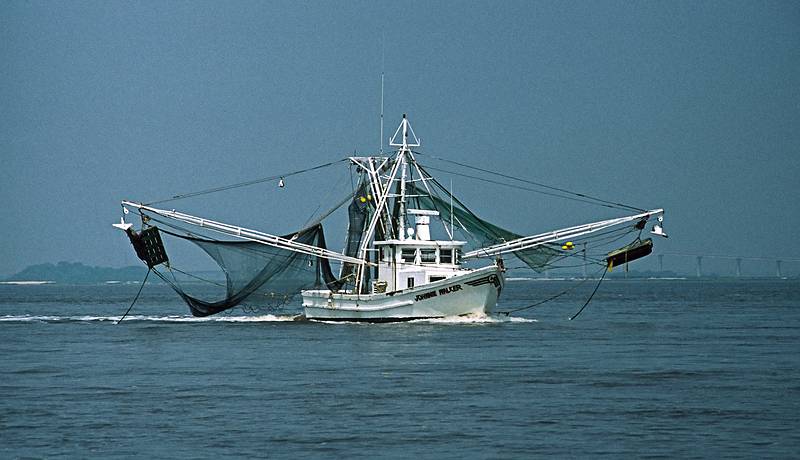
(478, 319)
(475, 319)
(466, 319)
(163, 319)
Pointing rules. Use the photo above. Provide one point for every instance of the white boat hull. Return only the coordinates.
(474, 293)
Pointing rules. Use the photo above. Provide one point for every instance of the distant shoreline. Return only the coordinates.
(27, 283)
(73, 273)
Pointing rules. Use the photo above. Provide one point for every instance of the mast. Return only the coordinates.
(399, 167)
(403, 172)
(403, 152)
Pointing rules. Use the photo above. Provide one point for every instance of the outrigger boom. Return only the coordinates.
(247, 234)
(529, 242)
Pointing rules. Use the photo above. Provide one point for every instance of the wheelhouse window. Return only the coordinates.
(428, 256)
(446, 256)
(408, 255)
(457, 254)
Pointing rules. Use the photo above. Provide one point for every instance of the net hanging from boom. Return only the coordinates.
(256, 273)
(358, 218)
(477, 231)
(589, 249)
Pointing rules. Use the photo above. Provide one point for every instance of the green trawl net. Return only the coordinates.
(358, 213)
(257, 273)
(478, 232)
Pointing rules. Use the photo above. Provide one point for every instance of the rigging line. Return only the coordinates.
(327, 213)
(608, 240)
(599, 243)
(207, 238)
(244, 184)
(450, 232)
(192, 234)
(527, 188)
(590, 297)
(457, 201)
(561, 257)
(171, 268)
(546, 267)
(137, 295)
(552, 263)
(594, 258)
(166, 280)
(561, 267)
(430, 195)
(174, 278)
(570, 289)
(463, 227)
(611, 230)
(538, 184)
(330, 211)
(171, 273)
(189, 233)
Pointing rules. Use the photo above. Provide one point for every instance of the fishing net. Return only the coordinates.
(478, 232)
(358, 218)
(256, 273)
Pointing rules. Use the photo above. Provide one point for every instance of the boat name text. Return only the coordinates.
(442, 291)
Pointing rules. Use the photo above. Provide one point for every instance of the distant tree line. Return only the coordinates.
(78, 273)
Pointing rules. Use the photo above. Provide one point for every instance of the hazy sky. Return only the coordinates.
(690, 106)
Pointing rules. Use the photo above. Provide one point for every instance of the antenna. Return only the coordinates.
(383, 65)
(452, 229)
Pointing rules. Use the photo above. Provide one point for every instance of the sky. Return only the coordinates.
(693, 107)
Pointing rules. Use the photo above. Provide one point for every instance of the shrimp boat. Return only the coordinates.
(392, 267)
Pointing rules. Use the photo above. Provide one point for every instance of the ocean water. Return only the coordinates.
(653, 368)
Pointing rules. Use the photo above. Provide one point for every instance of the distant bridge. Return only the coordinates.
(699, 261)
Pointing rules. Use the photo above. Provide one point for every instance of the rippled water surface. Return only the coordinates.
(651, 368)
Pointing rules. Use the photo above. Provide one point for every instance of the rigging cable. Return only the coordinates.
(518, 187)
(590, 297)
(508, 312)
(246, 183)
(607, 203)
(456, 200)
(190, 275)
(137, 295)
